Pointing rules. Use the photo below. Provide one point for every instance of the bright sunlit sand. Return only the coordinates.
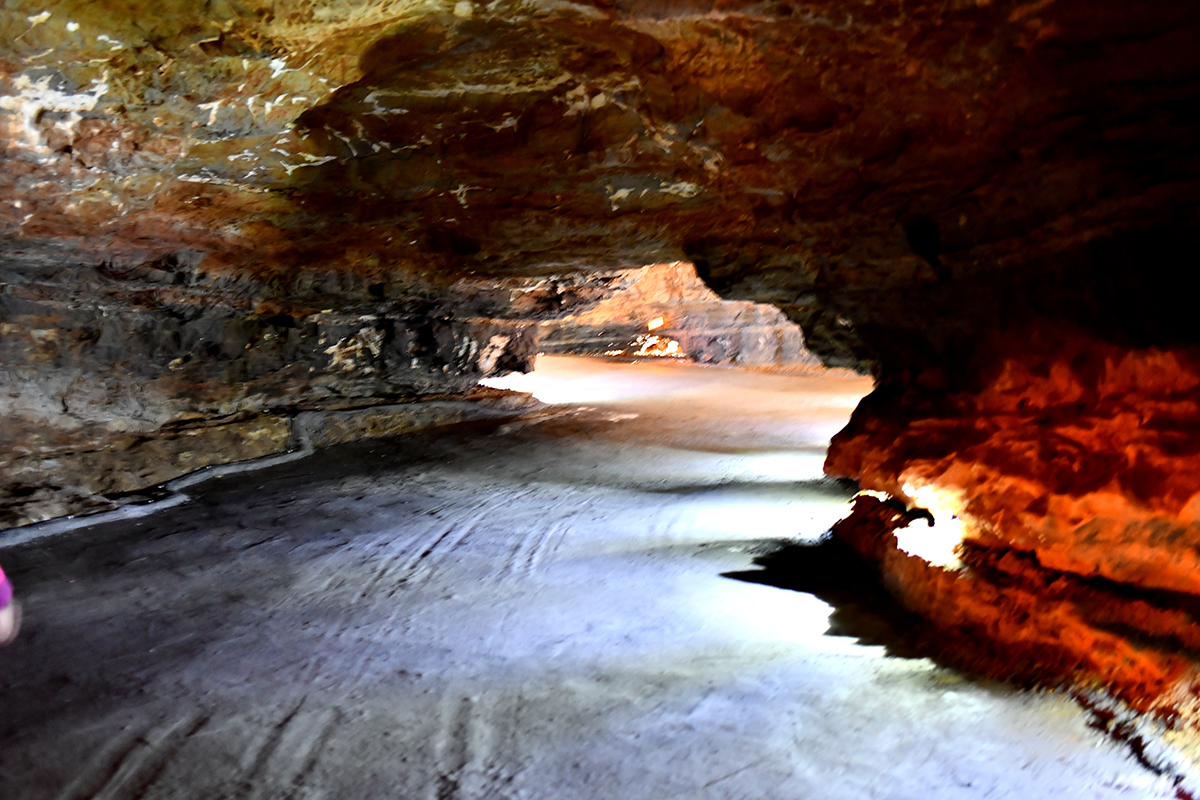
(535, 609)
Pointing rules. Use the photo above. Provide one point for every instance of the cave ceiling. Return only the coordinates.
(855, 163)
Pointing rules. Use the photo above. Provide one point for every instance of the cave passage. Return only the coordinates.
(523, 608)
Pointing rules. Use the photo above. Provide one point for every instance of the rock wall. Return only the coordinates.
(1063, 471)
(1001, 614)
(671, 304)
(1081, 454)
(116, 379)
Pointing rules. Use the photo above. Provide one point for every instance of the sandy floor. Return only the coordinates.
(533, 609)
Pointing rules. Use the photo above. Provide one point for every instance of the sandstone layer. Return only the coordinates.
(1003, 615)
(862, 166)
(666, 310)
(1064, 474)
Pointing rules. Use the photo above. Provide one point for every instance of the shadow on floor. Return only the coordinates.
(827, 488)
(832, 571)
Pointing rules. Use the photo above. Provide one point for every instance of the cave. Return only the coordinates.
(597, 398)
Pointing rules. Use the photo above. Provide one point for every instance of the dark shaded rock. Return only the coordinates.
(119, 379)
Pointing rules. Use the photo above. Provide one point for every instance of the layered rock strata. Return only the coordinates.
(1001, 614)
(842, 161)
(654, 306)
(1065, 476)
(116, 379)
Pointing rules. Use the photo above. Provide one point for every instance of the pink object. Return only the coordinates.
(6, 591)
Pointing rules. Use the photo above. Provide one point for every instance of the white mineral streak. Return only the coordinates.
(491, 353)
(681, 189)
(577, 101)
(461, 193)
(552, 6)
(28, 100)
(355, 352)
(212, 109)
(486, 88)
(616, 196)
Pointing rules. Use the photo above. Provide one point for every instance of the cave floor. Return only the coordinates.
(516, 609)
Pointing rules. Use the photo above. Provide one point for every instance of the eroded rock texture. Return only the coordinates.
(853, 160)
(117, 379)
(666, 309)
(217, 215)
(1004, 615)
(1082, 454)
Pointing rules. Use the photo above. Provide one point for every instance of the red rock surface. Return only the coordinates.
(1005, 616)
(1080, 453)
(1069, 467)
